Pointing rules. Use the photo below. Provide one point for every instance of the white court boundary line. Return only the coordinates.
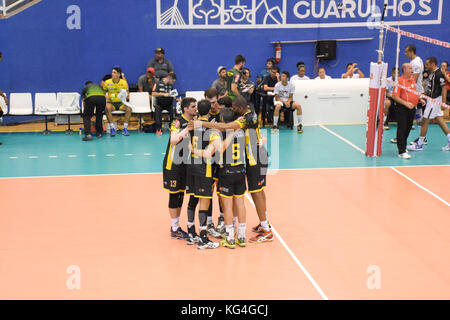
(421, 187)
(342, 138)
(296, 260)
(400, 173)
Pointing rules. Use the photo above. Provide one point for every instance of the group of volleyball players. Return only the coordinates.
(216, 145)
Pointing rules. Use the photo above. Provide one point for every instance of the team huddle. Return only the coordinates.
(216, 145)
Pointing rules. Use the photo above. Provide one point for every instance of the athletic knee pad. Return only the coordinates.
(176, 200)
(193, 201)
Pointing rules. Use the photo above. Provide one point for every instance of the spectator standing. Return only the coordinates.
(301, 72)
(247, 87)
(164, 101)
(353, 72)
(234, 77)
(162, 65)
(94, 98)
(220, 84)
(268, 87)
(322, 74)
(259, 94)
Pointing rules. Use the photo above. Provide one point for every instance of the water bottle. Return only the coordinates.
(80, 131)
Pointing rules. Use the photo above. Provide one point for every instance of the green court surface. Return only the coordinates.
(58, 154)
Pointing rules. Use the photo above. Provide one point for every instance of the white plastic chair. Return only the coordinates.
(140, 104)
(197, 95)
(20, 104)
(45, 104)
(68, 104)
(4, 106)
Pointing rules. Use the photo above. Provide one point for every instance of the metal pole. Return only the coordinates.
(380, 47)
(4, 8)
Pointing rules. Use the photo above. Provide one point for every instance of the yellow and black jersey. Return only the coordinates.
(175, 157)
(255, 154)
(113, 89)
(214, 116)
(232, 159)
(200, 139)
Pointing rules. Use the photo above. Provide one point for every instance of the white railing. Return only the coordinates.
(6, 9)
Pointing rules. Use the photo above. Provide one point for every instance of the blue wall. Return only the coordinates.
(42, 55)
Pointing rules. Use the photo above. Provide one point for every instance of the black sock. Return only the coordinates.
(203, 235)
(202, 214)
(193, 201)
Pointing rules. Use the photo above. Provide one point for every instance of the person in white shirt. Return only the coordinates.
(417, 64)
(418, 68)
(284, 93)
(301, 72)
(353, 72)
(322, 74)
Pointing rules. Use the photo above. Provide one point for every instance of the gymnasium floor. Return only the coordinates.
(337, 215)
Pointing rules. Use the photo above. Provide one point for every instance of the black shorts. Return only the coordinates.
(175, 179)
(189, 184)
(117, 105)
(256, 177)
(231, 185)
(199, 187)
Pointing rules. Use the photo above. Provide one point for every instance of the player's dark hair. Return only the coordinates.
(432, 60)
(203, 107)
(276, 68)
(446, 62)
(239, 58)
(88, 82)
(411, 47)
(322, 68)
(211, 93)
(272, 60)
(300, 64)
(186, 102)
(225, 101)
(172, 75)
(119, 70)
(227, 115)
(349, 64)
(286, 73)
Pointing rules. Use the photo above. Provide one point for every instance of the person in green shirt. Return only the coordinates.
(234, 77)
(94, 98)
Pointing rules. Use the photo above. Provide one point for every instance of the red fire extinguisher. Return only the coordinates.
(278, 52)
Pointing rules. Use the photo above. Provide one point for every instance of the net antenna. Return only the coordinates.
(380, 47)
(398, 45)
